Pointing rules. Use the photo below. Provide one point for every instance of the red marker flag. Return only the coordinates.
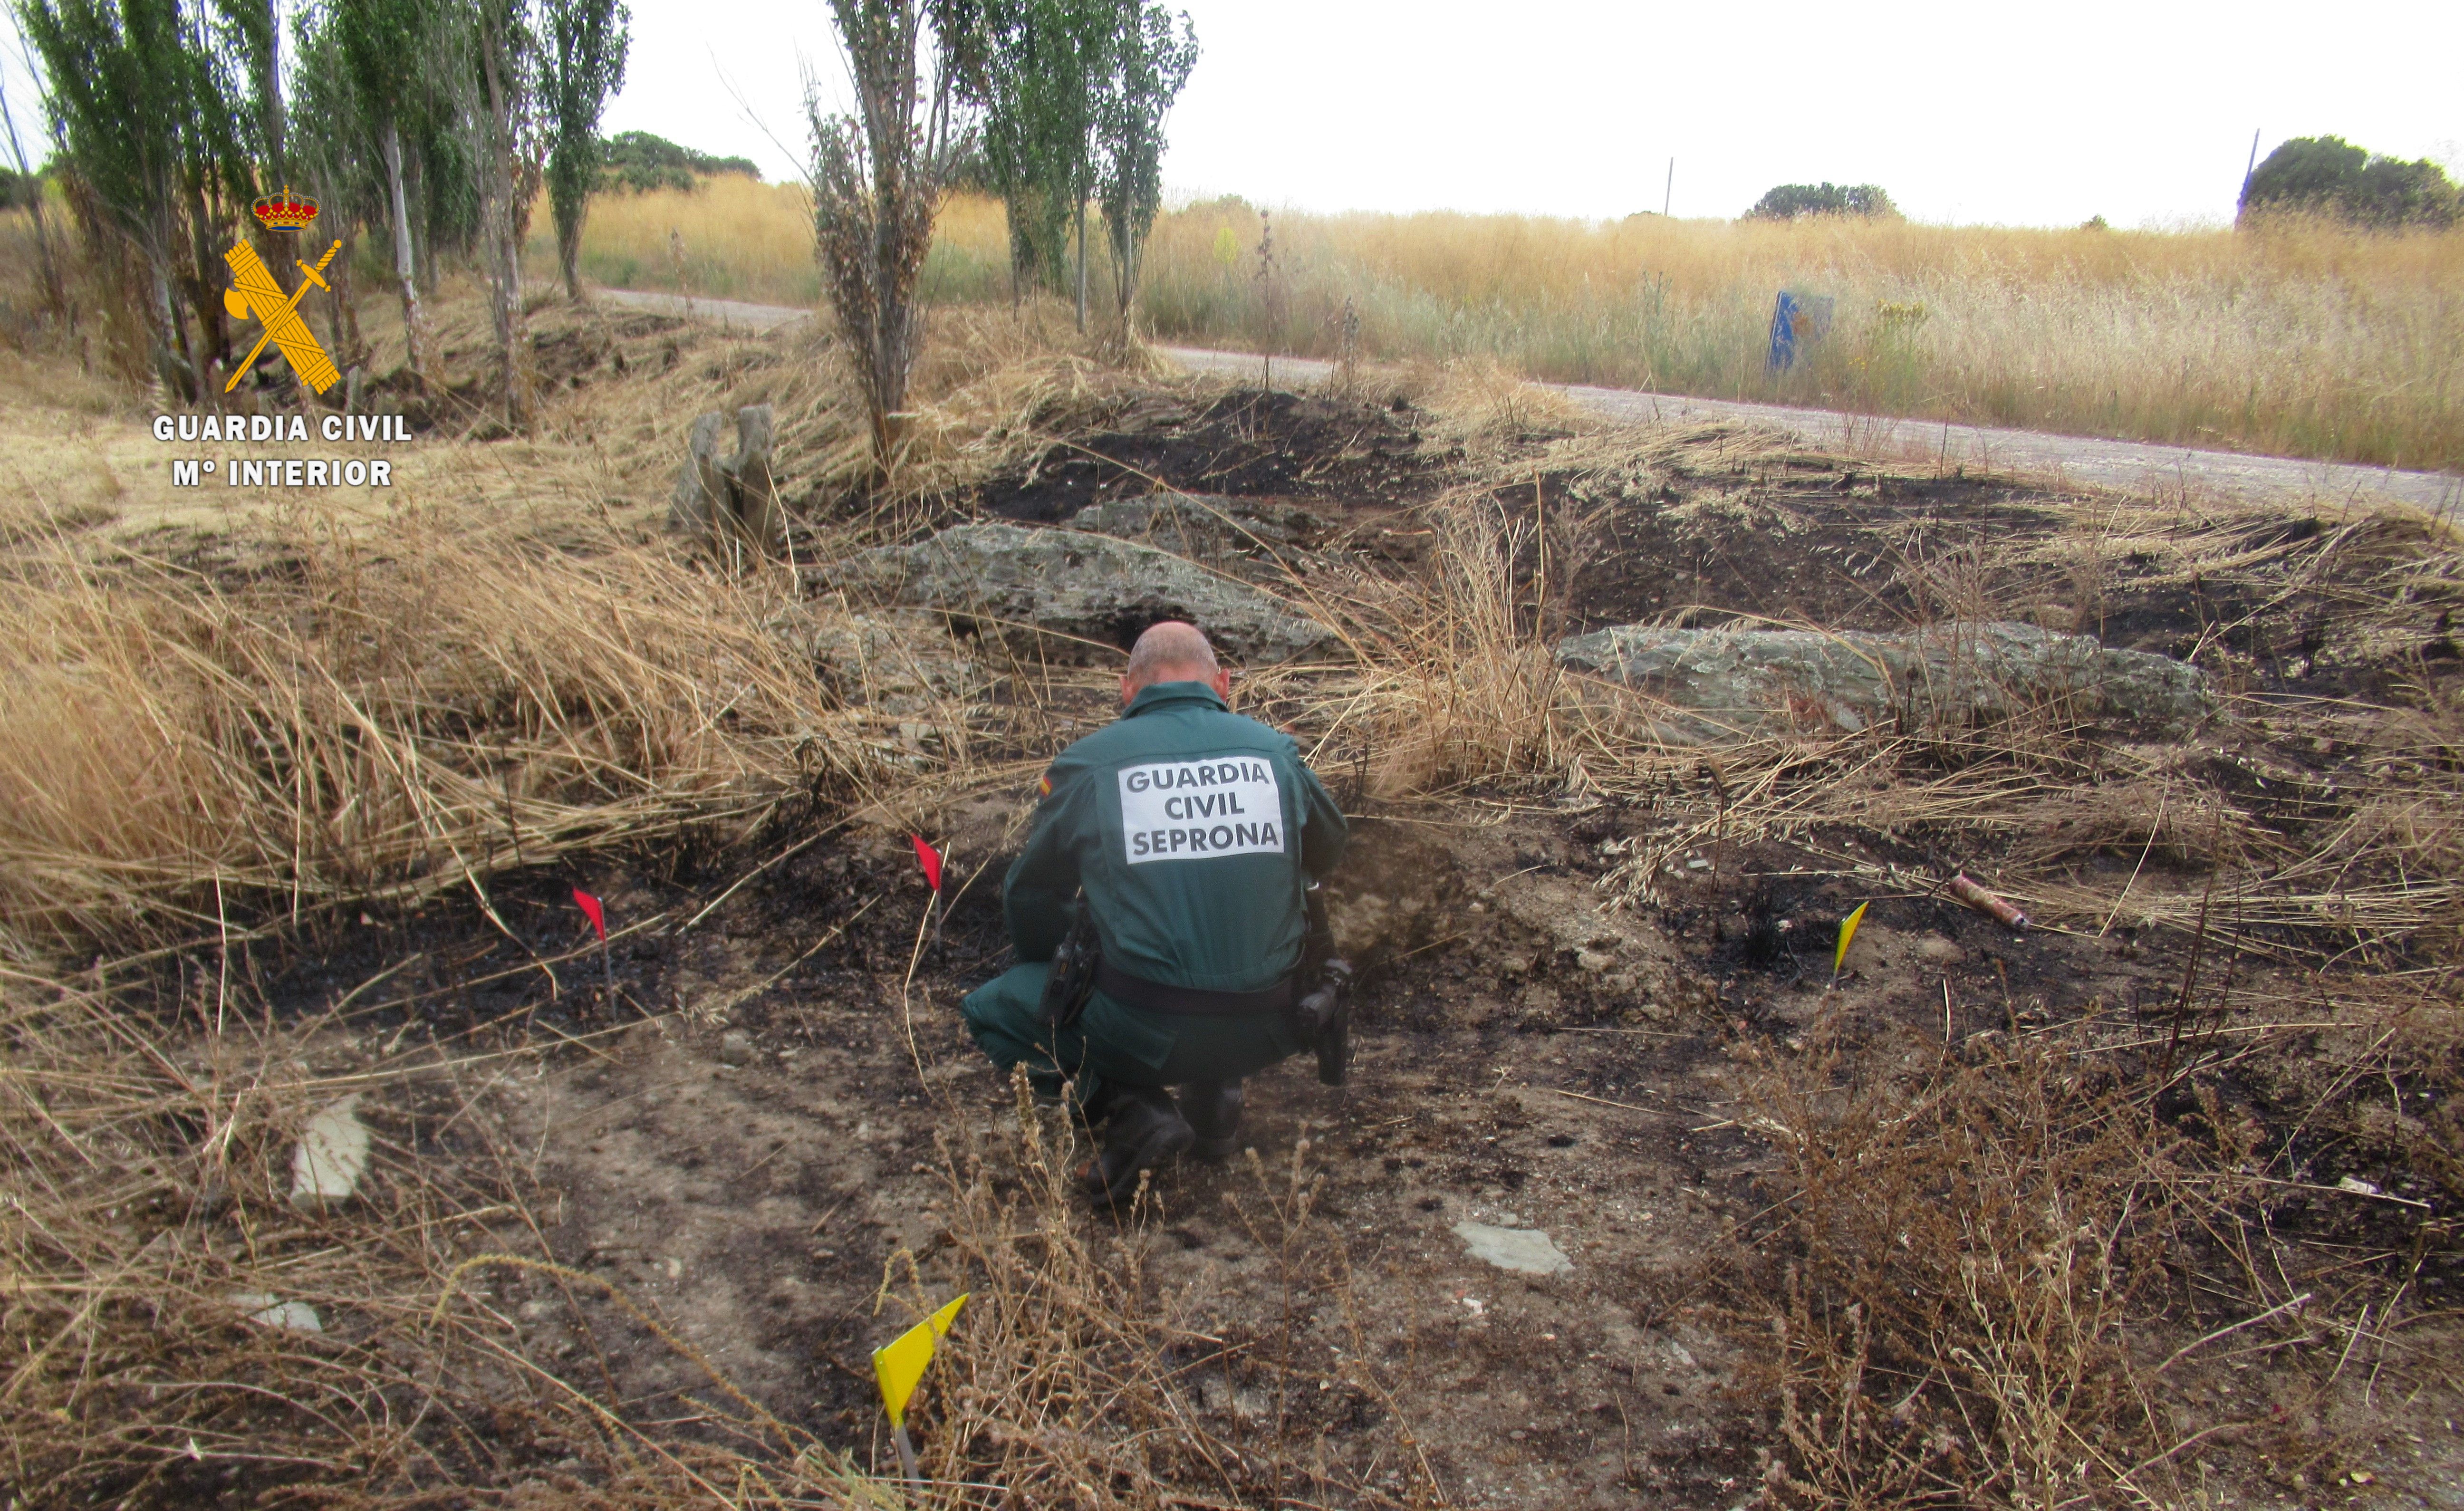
(930, 859)
(597, 915)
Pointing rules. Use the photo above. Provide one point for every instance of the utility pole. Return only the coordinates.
(2248, 172)
(1667, 194)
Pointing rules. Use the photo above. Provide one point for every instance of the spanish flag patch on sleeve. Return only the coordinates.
(1044, 787)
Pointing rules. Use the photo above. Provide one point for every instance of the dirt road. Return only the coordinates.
(2130, 466)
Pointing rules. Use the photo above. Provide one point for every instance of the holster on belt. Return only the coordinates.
(1074, 964)
(1323, 1014)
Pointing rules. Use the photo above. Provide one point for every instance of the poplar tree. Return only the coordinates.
(503, 127)
(1034, 68)
(1074, 94)
(1151, 59)
(388, 51)
(148, 118)
(581, 64)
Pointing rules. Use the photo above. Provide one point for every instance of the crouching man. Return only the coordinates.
(1188, 836)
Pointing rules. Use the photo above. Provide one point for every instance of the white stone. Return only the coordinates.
(332, 1155)
(1527, 1250)
(267, 1312)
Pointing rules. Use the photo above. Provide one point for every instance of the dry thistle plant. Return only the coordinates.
(1074, 1377)
(1966, 1259)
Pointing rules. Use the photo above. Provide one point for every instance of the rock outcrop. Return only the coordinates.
(1201, 524)
(735, 500)
(1077, 586)
(1733, 682)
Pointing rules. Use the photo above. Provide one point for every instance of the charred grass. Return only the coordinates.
(293, 805)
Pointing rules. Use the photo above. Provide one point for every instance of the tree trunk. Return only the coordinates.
(343, 315)
(497, 220)
(1082, 264)
(206, 284)
(269, 95)
(414, 321)
(180, 363)
(568, 251)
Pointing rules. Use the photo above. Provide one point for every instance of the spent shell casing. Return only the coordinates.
(1985, 902)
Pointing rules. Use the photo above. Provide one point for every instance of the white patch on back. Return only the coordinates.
(1194, 810)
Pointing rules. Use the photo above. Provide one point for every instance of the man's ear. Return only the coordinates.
(1222, 683)
(1127, 691)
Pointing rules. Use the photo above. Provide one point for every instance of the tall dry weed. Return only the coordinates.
(1965, 1263)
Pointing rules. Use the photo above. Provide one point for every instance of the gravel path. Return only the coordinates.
(731, 312)
(2130, 466)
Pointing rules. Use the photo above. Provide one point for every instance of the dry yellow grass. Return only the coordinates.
(734, 238)
(2303, 339)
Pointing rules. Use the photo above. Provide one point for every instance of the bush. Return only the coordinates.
(2330, 176)
(1789, 200)
(640, 162)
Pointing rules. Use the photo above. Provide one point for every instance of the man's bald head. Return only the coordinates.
(1172, 651)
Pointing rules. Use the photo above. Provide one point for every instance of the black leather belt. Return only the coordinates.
(1188, 1000)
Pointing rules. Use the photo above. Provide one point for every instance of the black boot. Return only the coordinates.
(1144, 1130)
(1213, 1108)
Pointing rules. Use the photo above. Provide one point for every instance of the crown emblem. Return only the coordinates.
(286, 211)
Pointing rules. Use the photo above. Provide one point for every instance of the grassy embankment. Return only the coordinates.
(2305, 341)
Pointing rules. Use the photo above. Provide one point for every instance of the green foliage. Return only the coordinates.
(400, 70)
(1789, 200)
(1151, 61)
(2330, 176)
(640, 162)
(148, 111)
(1074, 94)
(1035, 68)
(581, 63)
(333, 150)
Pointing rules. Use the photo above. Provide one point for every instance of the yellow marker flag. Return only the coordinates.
(1848, 931)
(899, 1363)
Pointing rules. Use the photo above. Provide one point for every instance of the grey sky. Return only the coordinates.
(2139, 112)
(2027, 115)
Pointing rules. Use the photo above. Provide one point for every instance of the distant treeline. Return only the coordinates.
(2330, 176)
(641, 162)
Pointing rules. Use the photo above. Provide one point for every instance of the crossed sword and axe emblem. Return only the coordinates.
(254, 291)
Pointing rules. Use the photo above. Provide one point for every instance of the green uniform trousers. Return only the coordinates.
(1115, 1045)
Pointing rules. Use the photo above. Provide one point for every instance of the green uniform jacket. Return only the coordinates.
(1194, 832)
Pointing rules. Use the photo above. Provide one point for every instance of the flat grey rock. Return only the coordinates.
(1744, 682)
(1198, 524)
(1079, 584)
(1526, 1251)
